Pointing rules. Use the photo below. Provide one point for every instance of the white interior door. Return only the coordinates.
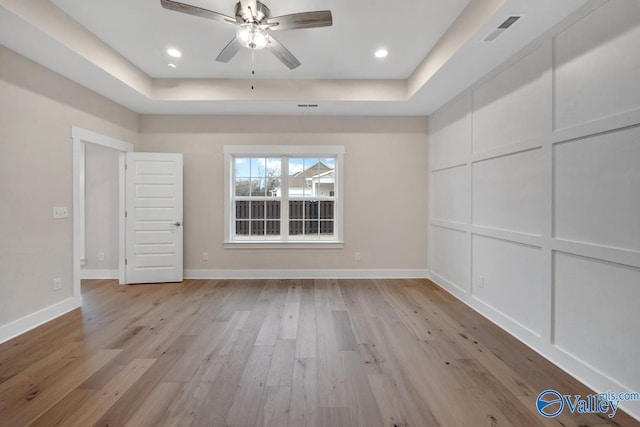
(153, 217)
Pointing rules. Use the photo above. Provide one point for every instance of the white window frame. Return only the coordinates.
(232, 151)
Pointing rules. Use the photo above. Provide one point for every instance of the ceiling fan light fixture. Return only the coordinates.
(252, 37)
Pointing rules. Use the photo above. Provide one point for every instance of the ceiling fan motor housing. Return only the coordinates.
(258, 16)
(251, 34)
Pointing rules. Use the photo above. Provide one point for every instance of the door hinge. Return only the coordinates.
(125, 214)
(125, 261)
(125, 166)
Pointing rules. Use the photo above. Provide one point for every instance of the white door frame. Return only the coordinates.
(80, 138)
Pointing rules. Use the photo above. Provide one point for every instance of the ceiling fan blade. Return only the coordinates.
(229, 50)
(196, 11)
(320, 18)
(282, 53)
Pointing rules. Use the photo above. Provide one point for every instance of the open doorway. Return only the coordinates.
(101, 213)
(82, 138)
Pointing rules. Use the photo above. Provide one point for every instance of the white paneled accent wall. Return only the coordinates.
(508, 192)
(451, 262)
(535, 197)
(513, 108)
(597, 65)
(596, 298)
(450, 134)
(596, 189)
(451, 194)
(495, 264)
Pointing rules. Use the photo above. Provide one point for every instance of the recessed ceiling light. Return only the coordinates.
(174, 52)
(171, 65)
(381, 53)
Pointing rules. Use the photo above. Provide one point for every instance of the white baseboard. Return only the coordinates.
(33, 320)
(583, 372)
(98, 274)
(280, 274)
(307, 274)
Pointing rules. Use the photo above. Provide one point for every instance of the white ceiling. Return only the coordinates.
(119, 50)
(343, 51)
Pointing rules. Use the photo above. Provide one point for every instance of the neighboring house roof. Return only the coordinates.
(313, 172)
(319, 168)
(327, 173)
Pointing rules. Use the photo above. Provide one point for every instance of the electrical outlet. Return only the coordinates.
(57, 284)
(358, 256)
(101, 256)
(60, 212)
(205, 256)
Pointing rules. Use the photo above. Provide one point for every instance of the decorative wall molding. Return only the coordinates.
(606, 124)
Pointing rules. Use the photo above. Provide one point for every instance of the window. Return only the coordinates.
(283, 196)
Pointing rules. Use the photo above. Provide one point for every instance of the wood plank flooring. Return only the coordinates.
(276, 353)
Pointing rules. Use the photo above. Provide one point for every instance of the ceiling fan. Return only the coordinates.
(254, 24)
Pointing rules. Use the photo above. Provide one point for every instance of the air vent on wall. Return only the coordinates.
(502, 28)
(307, 105)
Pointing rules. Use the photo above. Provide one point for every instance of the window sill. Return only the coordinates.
(284, 245)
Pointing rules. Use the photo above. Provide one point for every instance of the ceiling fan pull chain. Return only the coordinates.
(253, 67)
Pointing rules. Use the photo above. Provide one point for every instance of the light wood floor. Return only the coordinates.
(276, 352)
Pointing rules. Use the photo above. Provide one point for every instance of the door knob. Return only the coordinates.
(177, 223)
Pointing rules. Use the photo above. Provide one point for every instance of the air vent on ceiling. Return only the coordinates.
(502, 28)
(307, 105)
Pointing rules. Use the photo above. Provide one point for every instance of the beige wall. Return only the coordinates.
(385, 166)
(385, 187)
(37, 110)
